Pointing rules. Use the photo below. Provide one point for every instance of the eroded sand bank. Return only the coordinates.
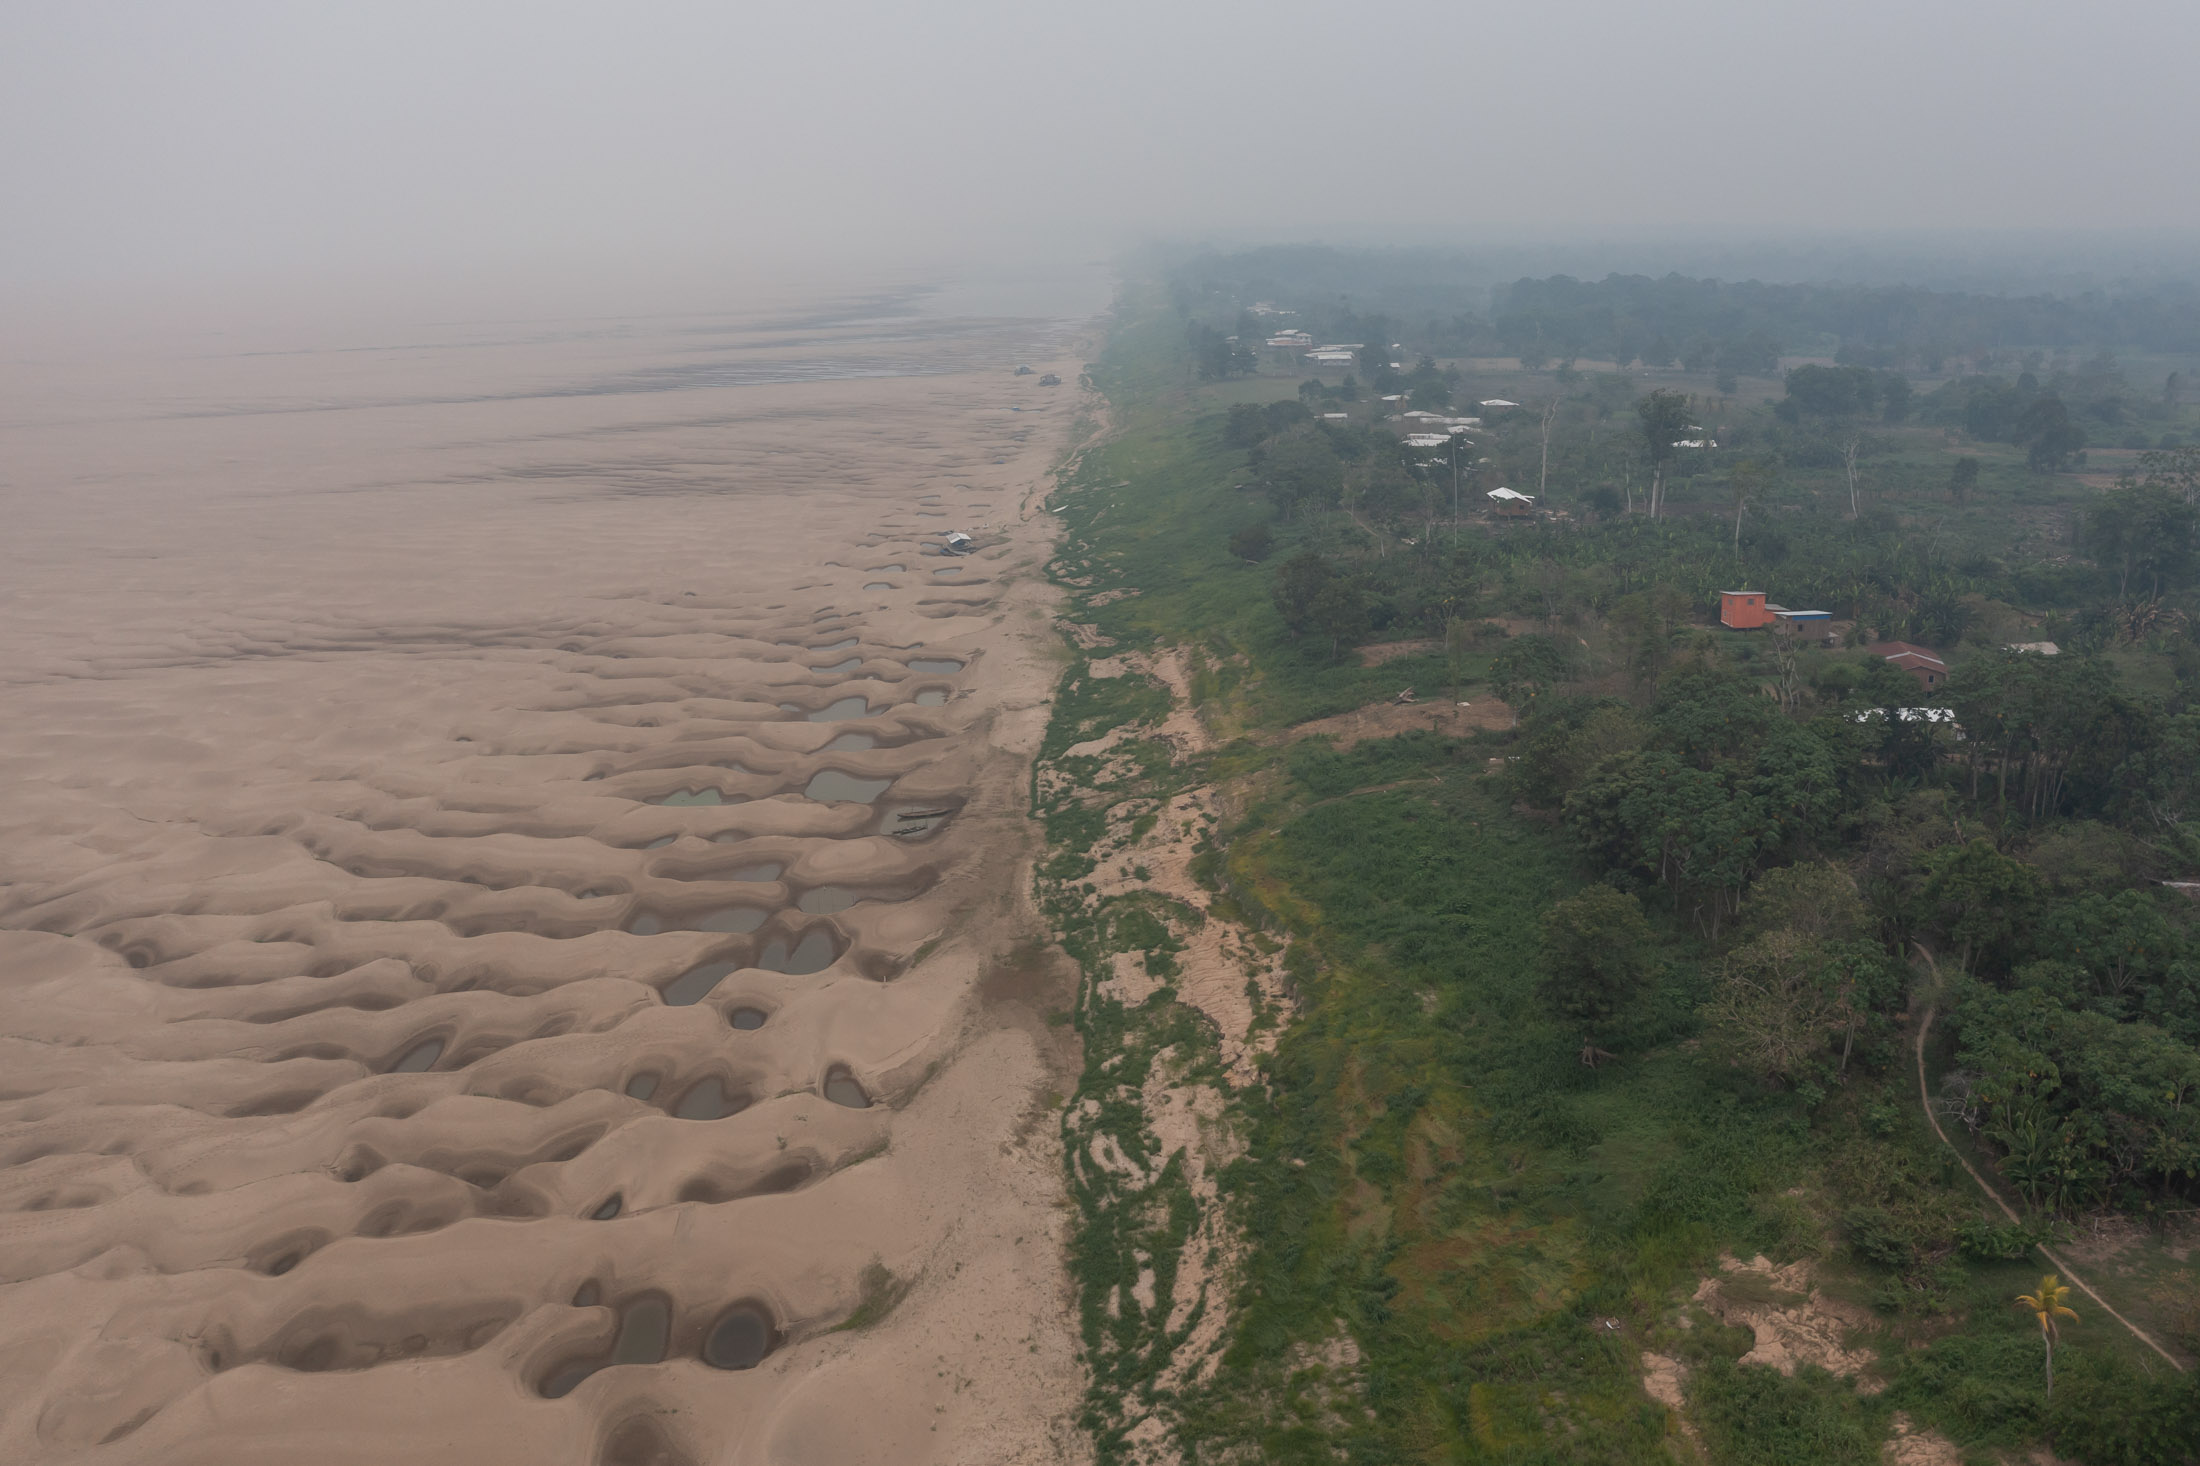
(507, 849)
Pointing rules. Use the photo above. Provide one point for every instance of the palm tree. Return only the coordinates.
(2048, 1305)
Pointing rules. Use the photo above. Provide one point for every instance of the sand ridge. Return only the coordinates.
(498, 861)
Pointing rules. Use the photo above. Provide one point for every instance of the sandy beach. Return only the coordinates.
(514, 934)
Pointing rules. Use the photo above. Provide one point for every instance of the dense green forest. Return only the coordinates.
(1640, 976)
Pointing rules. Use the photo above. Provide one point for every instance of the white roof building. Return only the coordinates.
(1507, 496)
(1498, 402)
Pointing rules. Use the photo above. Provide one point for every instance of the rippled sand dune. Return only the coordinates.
(511, 864)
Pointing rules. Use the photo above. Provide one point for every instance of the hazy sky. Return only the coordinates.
(197, 143)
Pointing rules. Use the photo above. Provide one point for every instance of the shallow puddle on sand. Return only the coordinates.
(419, 1058)
(935, 666)
(746, 1018)
(888, 569)
(642, 1085)
(707, 1099)
(740, 1339)
(841, 1088)
(645, 1327)
(851, 743)
(834, 787)
(826, 900)
(880, 585)
(767, 870)
(834, 646)
(660, 843)
(931, 697)
(694, 796)
(695, 984)
(589, 1295)
(841, 709)
(609, 1209)
(730, 919)
(813, 953)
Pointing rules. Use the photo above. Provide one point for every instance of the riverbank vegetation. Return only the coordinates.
(1585, 1000)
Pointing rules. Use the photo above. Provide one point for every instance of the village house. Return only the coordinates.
(1743, 610)
(1507, 504)
(1920, 662)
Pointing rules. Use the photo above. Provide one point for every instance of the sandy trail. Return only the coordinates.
(505, 842)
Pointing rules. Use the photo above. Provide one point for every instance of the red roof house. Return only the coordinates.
(1920, 662)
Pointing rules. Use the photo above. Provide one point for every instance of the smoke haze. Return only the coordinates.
(516, 151)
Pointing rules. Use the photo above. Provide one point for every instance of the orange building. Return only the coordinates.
(1744, 610)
